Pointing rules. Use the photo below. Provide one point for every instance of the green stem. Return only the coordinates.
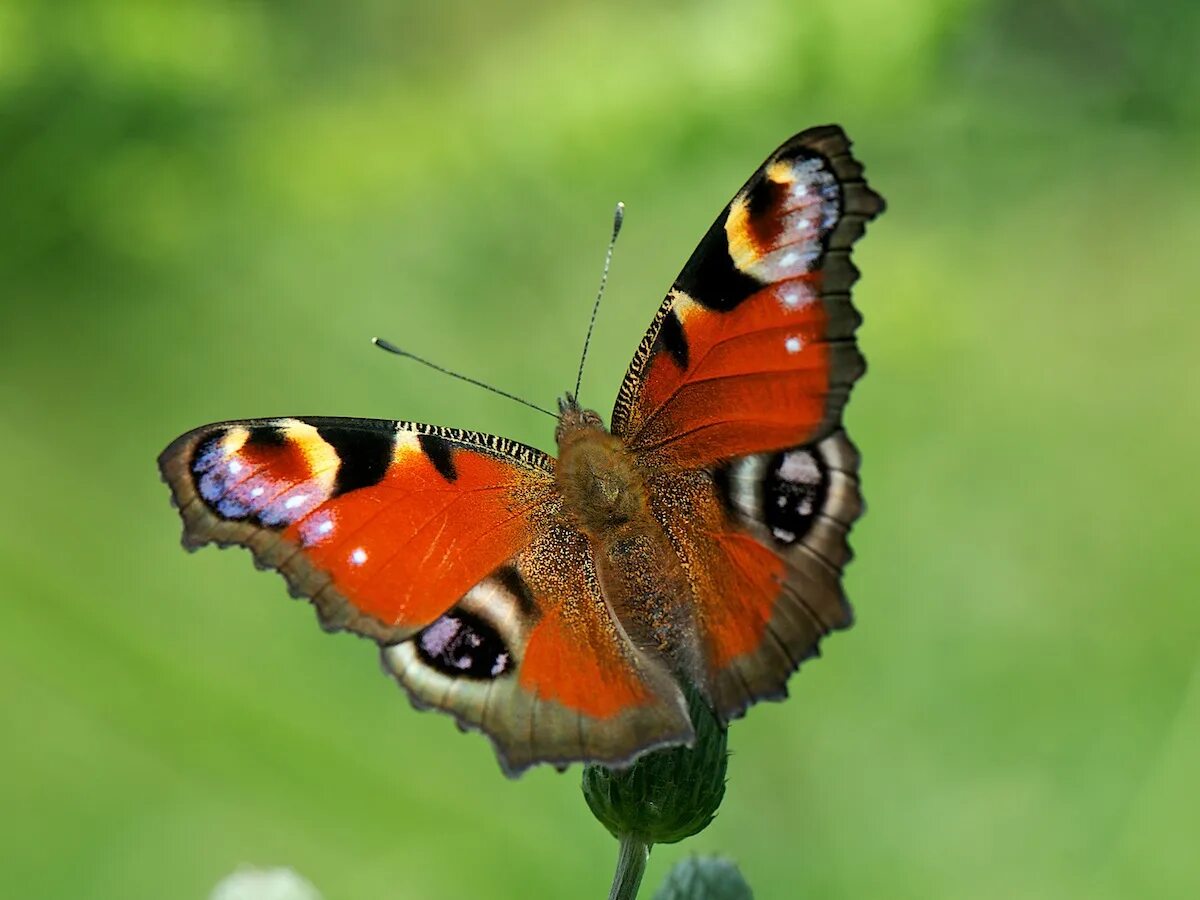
(631, 866)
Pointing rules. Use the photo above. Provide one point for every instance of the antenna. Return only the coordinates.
(392, 348)
(618, 218)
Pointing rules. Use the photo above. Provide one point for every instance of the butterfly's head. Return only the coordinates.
(573, 420)
(596, 474)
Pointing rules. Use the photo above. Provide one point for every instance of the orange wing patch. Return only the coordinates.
(604, 680)
(412, 544)
(755, 378)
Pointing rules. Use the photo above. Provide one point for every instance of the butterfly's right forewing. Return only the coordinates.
(753, 348)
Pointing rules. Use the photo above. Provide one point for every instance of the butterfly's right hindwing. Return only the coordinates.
(764, 540)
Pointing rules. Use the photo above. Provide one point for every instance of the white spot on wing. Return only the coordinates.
(799, 467)
(794, 295)
(793, 344)
(234, 467)
(294, 501)
(316, 528)
(358, 556)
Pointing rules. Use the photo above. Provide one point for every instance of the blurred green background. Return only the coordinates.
(207, 210)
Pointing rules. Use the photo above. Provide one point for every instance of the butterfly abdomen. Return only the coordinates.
(604, 489)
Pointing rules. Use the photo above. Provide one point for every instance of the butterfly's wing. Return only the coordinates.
(734, 402)
(753, 348)
(763, 539)
(450, 549)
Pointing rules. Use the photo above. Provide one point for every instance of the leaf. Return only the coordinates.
(704, 878)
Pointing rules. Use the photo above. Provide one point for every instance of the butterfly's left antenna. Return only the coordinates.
(618, 218)
(392, 348)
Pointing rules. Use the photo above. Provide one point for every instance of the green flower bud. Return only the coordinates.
(704, 878)
(667, 795)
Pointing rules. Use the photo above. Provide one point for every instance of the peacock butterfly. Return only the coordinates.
(560, 605)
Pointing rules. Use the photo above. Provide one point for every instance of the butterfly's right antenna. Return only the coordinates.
(618, 218)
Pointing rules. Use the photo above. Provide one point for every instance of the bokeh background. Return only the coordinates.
(207, 208)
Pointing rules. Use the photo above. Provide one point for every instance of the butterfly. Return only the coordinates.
(561, 606)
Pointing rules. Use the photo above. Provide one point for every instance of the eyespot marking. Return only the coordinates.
(317, 528)
(274, 473)
(794, 487)
(460, 644)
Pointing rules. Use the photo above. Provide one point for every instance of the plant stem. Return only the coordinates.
(631, 866)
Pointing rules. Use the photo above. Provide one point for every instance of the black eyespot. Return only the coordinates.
(462, 645)
(794, 491)
(721, 483)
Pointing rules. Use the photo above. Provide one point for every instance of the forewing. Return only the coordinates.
(753, 348)
(384, 525)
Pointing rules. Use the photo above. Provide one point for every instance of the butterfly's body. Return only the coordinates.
(604, 493)
(602, 487)
(561, 605)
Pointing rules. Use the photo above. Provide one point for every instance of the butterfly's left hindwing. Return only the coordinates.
(533, 657)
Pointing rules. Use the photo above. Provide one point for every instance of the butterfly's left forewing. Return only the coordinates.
(382, 524)
(450, 549)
